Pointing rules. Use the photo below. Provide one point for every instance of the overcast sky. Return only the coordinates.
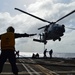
(50, 10)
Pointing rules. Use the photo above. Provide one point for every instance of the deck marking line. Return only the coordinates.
(27, 69)
(46, 71)
(33, 70)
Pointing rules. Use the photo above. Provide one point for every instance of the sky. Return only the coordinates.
(50, 10)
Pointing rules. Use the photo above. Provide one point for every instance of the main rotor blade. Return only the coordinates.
(32, 15)
(43, 27)
(65, 16)
(70, 28)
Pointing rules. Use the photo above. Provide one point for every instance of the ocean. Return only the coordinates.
(64, 55)
(59, 55)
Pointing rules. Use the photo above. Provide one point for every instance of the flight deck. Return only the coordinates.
(54, 66)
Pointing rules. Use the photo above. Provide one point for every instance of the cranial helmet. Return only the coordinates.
(10, 29)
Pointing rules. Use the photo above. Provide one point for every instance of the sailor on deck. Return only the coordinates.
(8, 48)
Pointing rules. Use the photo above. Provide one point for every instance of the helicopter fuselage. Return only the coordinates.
(51, 32)
(54, 32)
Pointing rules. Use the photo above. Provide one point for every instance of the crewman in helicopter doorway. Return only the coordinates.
(8, 48)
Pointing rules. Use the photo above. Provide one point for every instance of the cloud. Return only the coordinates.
(50, 10)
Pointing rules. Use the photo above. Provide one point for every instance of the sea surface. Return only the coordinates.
(59, 55)
(64, 55)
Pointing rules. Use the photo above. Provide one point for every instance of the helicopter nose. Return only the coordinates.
(63, 28)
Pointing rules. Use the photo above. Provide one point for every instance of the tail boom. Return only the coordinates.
(41, 41)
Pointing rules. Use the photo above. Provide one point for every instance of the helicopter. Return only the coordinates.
(53, 31)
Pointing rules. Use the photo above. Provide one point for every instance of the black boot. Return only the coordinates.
(15, 73)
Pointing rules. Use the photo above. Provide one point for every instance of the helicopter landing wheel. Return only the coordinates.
(54, 39)
(45, 42)
(59, 39)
